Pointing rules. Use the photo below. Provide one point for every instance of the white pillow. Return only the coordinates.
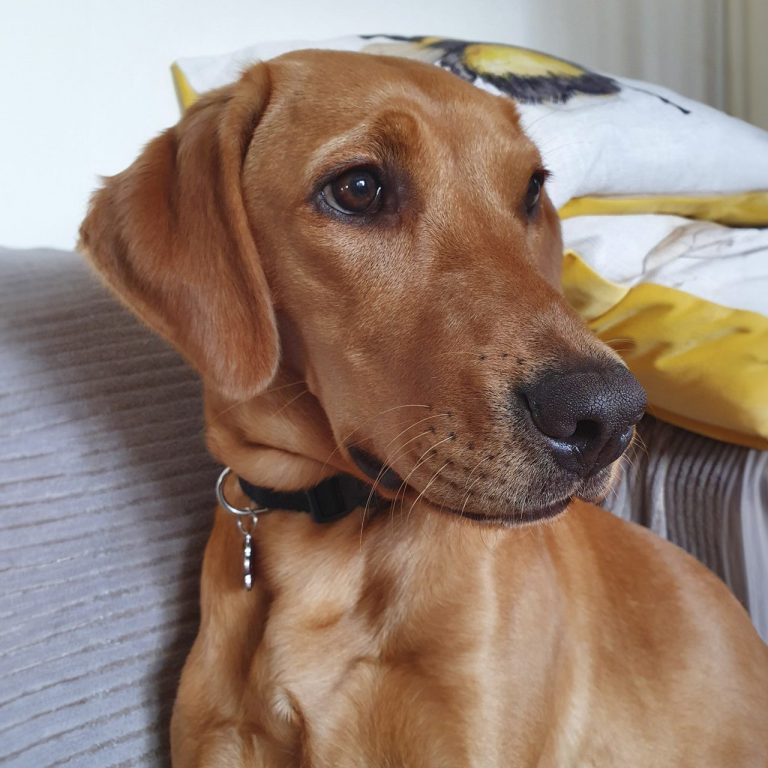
(600, 135)
(690, 323)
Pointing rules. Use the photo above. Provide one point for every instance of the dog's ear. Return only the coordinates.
(170, 235)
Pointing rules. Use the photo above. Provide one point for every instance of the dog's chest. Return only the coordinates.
(435, 690)
(359, 710)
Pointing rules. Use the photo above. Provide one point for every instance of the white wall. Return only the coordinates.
(85, 83)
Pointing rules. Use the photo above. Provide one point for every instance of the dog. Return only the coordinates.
(359, 256)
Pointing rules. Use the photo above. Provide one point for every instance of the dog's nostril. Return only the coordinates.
(586, 431)
(586, 416)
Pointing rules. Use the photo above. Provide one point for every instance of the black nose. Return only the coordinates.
(586, 415)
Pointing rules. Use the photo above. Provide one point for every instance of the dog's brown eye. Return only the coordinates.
(354, 192)
(533, 194)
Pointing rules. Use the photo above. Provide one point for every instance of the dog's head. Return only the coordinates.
(379, 232)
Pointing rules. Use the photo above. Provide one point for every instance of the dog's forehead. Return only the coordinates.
(333, 81)
(351, 99)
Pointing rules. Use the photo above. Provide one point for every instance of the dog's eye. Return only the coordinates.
(354, 192)
(533, 194)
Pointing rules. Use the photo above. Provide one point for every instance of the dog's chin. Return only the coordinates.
(512, 518)
(497, 508)
(593, 489)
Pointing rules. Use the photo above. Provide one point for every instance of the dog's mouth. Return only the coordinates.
(386, 478)
(381, 474)
(524, 517)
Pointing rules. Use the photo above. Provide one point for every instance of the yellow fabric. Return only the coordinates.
(704, 366)
(185, 93)
(741, 209)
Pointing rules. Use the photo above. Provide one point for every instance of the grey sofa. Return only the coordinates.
(106, 494)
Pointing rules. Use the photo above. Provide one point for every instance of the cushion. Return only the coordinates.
(620, 147)
(684, 302)
(601, 135)
(107, 495)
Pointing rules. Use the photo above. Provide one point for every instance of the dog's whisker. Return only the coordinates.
(345, 440)
(628, 460)
(530, 123)
(639, 444)
(382, 413)
(424, 457)
(424, 490)
(290, 402)
(238, 403)
(549, 149)
(389, 460)
(282, 386)
(473, 470)
(420, 421)
(468, 491)
(620, 344)
(384, 467)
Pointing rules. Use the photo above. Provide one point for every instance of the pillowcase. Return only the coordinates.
(617, 149)
(600, 135)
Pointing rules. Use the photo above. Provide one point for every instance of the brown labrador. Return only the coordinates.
(358, 255)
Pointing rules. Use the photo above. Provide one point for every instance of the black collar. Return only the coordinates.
(327, 502)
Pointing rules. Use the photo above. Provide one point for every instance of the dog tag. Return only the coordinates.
(247, 530)
(247, 552)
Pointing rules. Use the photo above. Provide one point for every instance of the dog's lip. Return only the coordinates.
(375, 469)
(521, 517)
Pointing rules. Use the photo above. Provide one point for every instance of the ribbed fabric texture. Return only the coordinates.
(106, 499)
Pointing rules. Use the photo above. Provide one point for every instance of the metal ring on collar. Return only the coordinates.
(240, 512)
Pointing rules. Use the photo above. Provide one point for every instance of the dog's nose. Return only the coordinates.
(586, 416)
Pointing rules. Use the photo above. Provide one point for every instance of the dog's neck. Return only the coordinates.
(280, 439)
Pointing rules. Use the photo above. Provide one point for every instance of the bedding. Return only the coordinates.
(601, 135)
(684, 302)
(106, 501)
(630, 150)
